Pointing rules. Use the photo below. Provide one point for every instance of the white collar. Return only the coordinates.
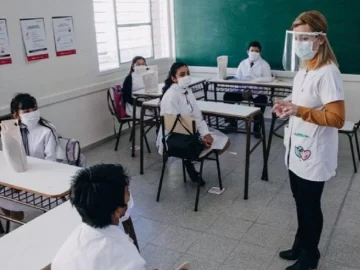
(112, 231)
(255, 62)
(178, 88)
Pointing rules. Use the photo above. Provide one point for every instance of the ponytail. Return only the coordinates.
(172, 73)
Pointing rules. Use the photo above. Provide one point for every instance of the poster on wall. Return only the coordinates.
(34, 38)
(5, 56)
(64, 35)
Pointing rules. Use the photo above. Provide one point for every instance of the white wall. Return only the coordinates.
(351, 87)
(69, 89)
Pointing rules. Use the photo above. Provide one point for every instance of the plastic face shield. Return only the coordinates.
(291, 62)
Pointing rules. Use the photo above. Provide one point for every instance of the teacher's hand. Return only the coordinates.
(284, 108)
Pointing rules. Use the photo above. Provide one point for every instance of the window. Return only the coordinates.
(126, 28)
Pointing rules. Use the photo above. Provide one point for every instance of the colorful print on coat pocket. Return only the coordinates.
(301, 153)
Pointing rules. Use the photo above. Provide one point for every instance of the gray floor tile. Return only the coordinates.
(166, 213)
(159, 258)
(331, 266)
(197, 263)
(199, 221)
(280, 218)
(147, 229)
(250, 257)
(244, 210)
(265, 236)
(177, 238)
(257, 195)
(229, 227)
(283, 201)
(212, 247)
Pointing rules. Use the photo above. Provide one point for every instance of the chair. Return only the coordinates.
(350, 129)
(167, 121)
(124, 120)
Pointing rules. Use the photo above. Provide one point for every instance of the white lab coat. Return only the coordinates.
(182, 101)
(312, 150)
(261, 68)
(42, 143)
(88, 248)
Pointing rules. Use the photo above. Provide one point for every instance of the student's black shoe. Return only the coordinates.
(306, 262)
(293, 253)
(193, 174)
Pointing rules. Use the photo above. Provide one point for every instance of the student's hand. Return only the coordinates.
(208, 140)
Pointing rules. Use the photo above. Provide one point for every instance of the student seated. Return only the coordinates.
(132, 83)
(39, 139)
(178, 98)
(101, 196)
(249, 69)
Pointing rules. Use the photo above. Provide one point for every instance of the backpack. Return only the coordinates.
(118, 99)
(70, 152)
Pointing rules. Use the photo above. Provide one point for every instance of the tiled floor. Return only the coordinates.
(228, 233)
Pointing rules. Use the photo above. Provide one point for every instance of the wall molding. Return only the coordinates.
(78, 92)
(284, 74)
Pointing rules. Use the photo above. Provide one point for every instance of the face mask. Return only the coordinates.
(253, 56)
(304, 49)
(130, 205)
(138, 69)
(184, 82)
(30, 119)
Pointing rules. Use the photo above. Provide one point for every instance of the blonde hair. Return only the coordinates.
(317, 23)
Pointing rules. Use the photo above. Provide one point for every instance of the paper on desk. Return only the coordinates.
(219, 141)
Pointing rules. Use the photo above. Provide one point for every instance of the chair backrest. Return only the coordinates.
(116, 102)
(185, 122)
(69, 152)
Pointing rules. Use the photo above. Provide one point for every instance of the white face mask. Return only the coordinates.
(30, 119)
(130, 205)
(304, 49)
(184, 82)
(253, 56)
(138, 69)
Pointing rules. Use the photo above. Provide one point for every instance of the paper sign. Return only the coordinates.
(5, 56)
(64, 35)
(216, 190)
(34, 37)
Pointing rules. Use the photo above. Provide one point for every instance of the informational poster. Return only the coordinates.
(34, 37)
(64, 35)
(5, 56)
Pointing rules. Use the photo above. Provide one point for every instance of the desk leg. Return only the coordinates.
(271, 133)
(264, 175)
(133, 128)
(142, 139)
(247, 157)
(206, 88)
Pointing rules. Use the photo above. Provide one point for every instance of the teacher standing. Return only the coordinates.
(316, 110)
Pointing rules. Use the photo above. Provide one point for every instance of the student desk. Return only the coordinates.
(244, 113)
(280, 88)
(34, 245)
(45, 184)
(197, 85)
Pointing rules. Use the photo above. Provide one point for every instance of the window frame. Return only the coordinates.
(150, 60)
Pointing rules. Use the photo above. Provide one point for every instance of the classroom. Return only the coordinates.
(179, 134)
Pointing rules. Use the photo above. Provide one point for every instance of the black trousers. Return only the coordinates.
(236, 97)
(307, 195)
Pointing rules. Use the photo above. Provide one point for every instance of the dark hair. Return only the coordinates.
(172, 73)
(96, 193)
(134, 60)
(25, 102)
(255, 44)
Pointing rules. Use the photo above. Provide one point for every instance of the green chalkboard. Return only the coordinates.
(205, 29)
